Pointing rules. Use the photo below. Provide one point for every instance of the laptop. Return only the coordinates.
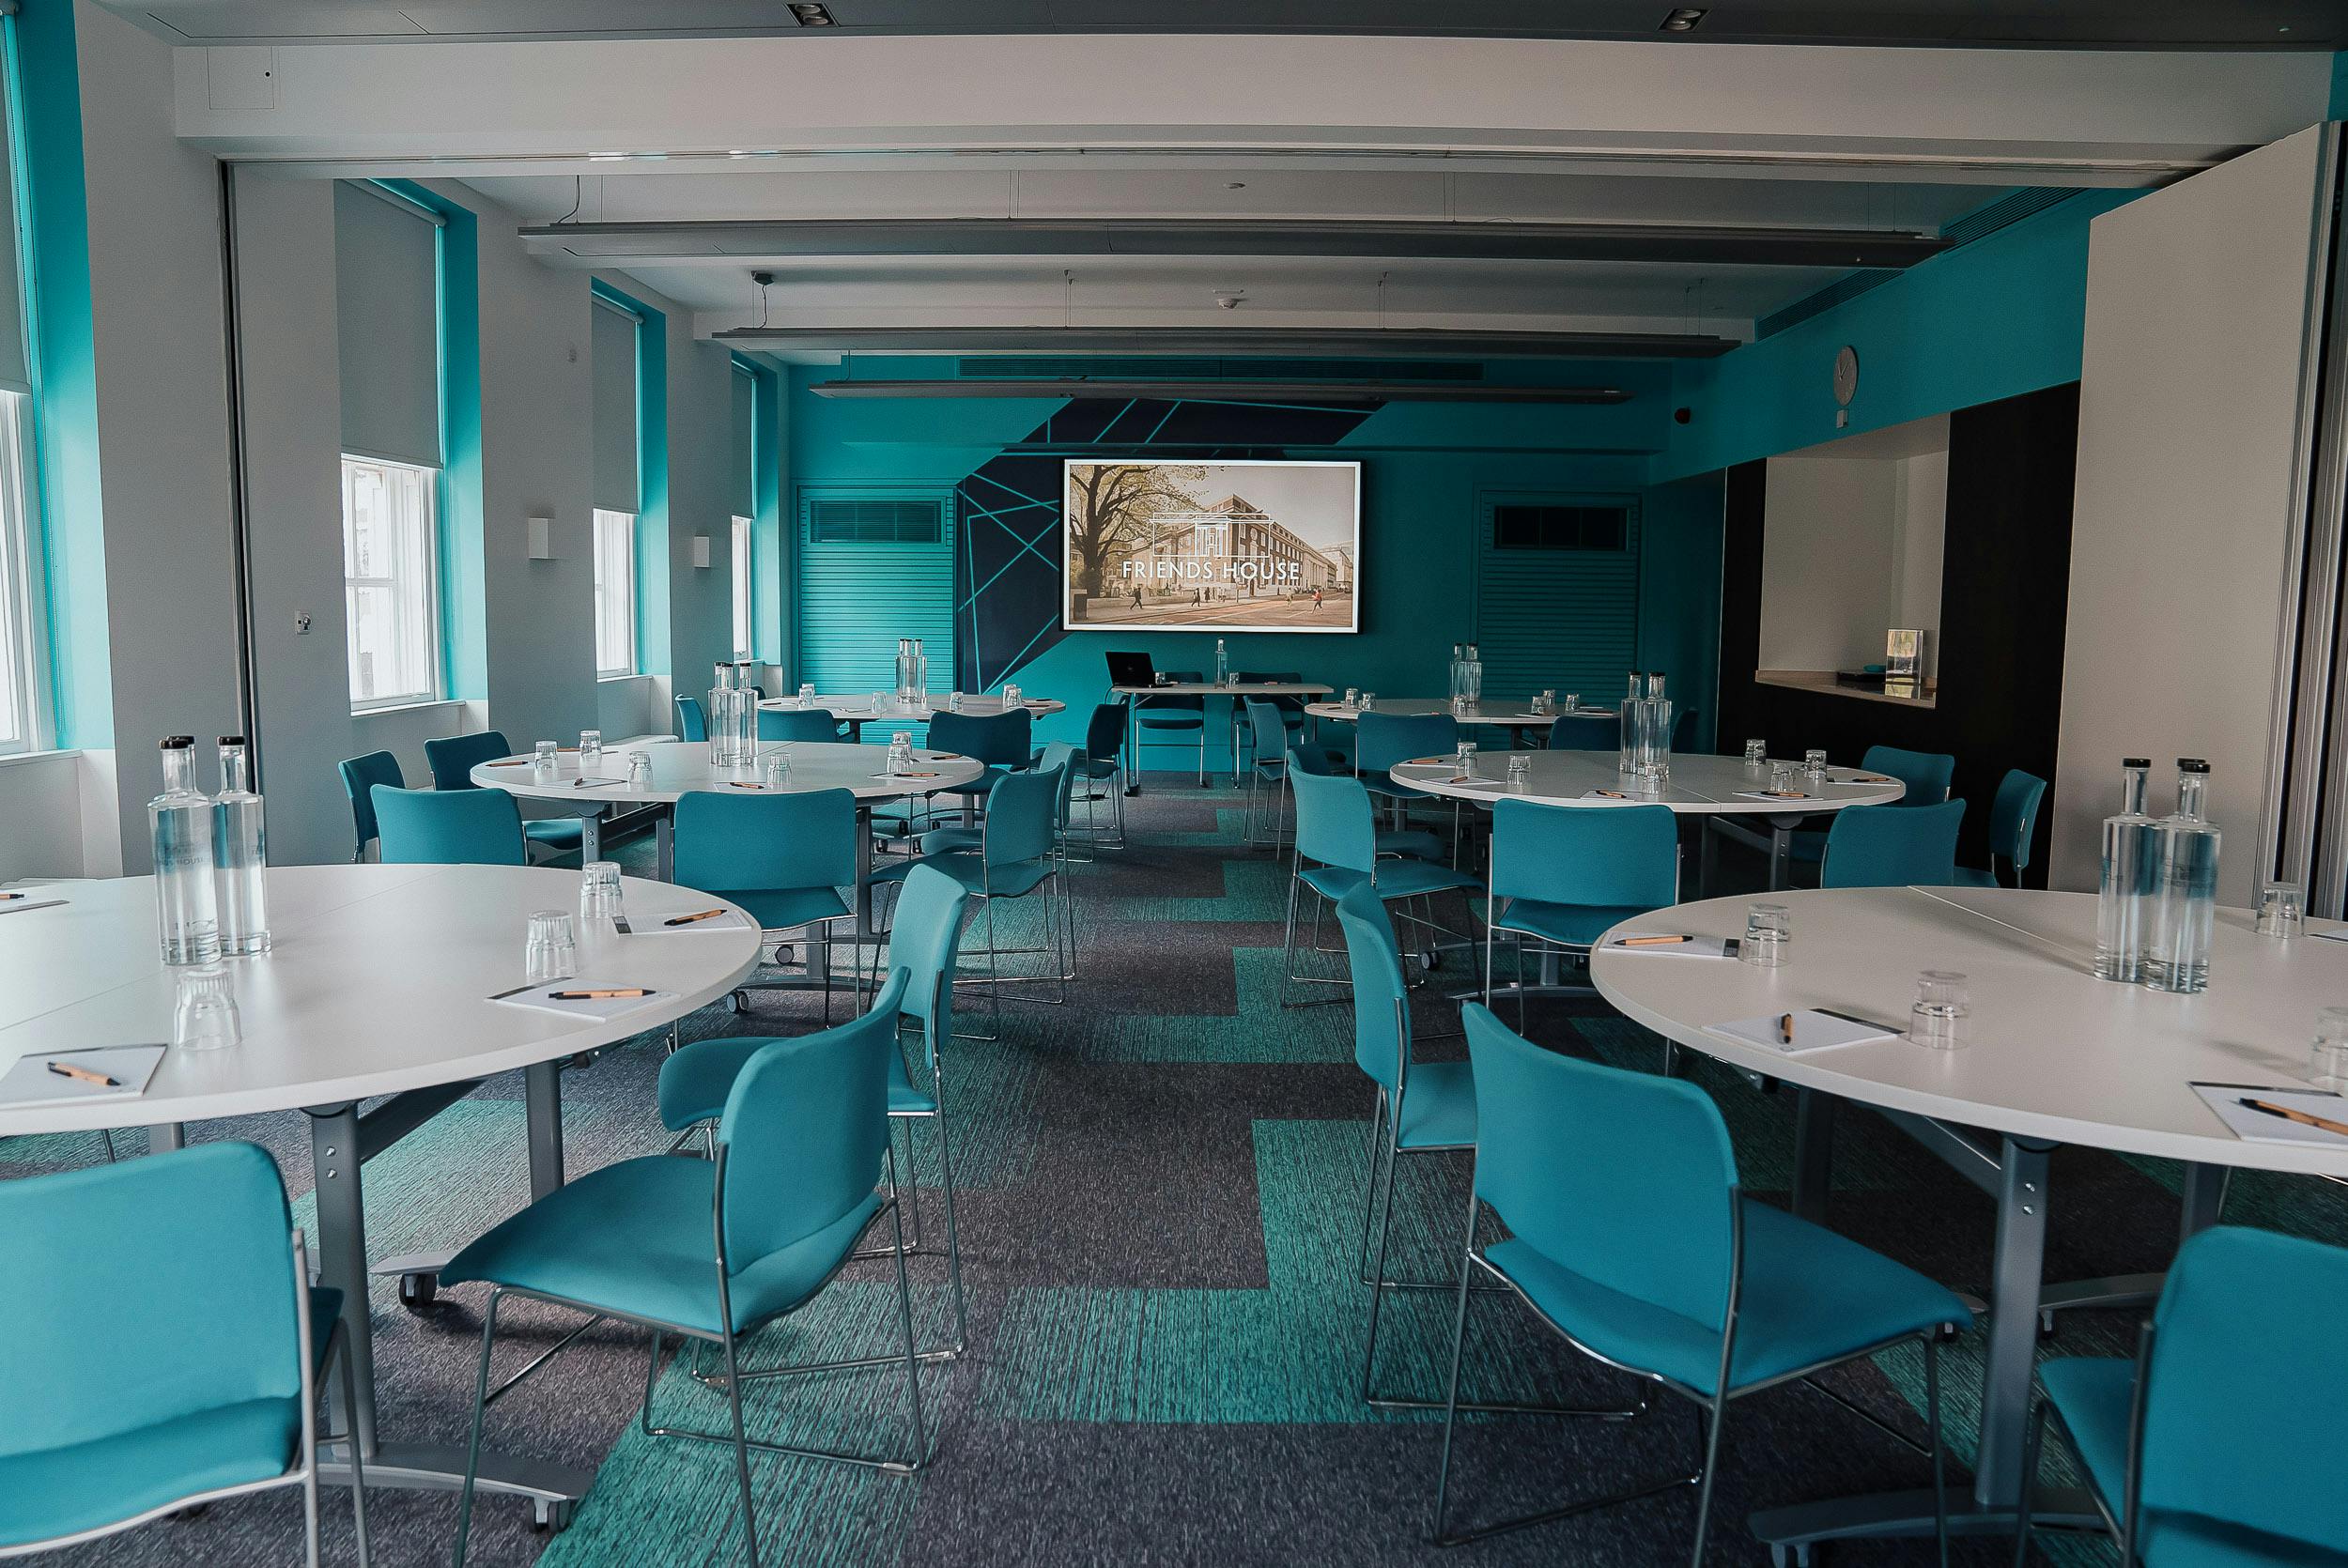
(1132, 670)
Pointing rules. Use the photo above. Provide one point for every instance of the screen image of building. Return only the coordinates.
(1229, 548)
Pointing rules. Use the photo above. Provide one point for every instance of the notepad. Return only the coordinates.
(541, 999)
(1812, 1030)
(29, 900)
(1623, 796)
(1770, 794)
(31, 1083)
(732, 920)
(1689, 948)
(2258, 1127)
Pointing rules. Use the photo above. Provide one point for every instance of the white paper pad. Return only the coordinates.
(1623, 796)
(18, 906)
(1769, 794)
(2330, 936)
(540, 999)
(1694, 948)
(732, 920)
(31, 1083)
(2257, 1126)
(1813, 1031)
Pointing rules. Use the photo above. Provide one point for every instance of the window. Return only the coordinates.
(615, 593)
(877, 522)
(390, 583)
(21, 686)
(741, 589)
(1534, 527)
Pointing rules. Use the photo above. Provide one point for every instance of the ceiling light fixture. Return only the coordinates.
(809, 14)
(1682, 19)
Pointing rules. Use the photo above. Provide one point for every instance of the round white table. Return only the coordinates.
(379, 988)
(858, 712)
(1515, 717)
(1701, 785)
(2052, 1055)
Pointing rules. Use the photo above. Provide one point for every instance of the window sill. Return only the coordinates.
(357, 714)
(607, 680)
(19, 759)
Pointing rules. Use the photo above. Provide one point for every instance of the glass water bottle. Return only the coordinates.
(1222, 663)
(2124, 891)
(239, 855)
(180, 822)
(2184, 912)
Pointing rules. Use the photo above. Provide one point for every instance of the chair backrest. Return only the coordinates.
(361, 774)
(145, 1291)
(1926, 774)
(1384, 739)
(999, 740)
(1314, 760)
(1586, 733)
(1104, 733)
(1283, 703)
(797, 724)
(1625, 1179)
(691, 723)
(2243, 1397)
(1382, 1028)
(1597, 857)
(772, 842)
(453, 757)
(1268, 729)
(1023, 816)
(1061, 756)
(2014, 816)
(1163, 706)
(1334, 822)
(448, 828)
(805, 1127)
(924, 939)
(1893, 846)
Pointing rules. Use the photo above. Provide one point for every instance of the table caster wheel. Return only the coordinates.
(189, 1514)
(418, 1290)
(741, 1001)
(549, 1518)
(2048, 1326)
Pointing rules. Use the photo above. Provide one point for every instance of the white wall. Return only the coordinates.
(2197, 300)
(1919, 536)
(41, 800)
(1827, 571)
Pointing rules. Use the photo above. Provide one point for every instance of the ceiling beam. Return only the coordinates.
(1340, 393)
(1382, 343)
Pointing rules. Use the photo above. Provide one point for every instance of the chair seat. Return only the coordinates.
(1007, 882)
(1438, 1107)
(1811, 1298)
(1397, 879)
(906, 1098)
(1097, 767)
(946, 840)
(634, 1239)
(783, 909)
(1973, 876)
(1379, 784)
(695, 1081)
(1569, 925)
(1415, 842)
(562, 832)
(61, 1491)
(2095, 1395)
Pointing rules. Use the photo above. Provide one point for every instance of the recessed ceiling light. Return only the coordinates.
(1682, 19)
(807, 13)
(1235, 185)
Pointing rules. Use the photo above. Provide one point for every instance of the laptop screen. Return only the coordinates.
(1132, 670)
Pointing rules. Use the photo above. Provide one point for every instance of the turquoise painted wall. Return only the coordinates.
(1425, 467)
(2002, 315)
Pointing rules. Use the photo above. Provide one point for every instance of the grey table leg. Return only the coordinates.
(1133, 744)
(664, 845)
(541, 1095)
(2204, 1193)
(342, 1259)
(1814, 1153)
(166, 1136)
(1781, 853)
(591, 835)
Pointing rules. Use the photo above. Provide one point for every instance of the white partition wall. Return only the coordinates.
(2203, 308)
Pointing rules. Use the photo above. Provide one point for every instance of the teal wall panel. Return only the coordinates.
(854, 601)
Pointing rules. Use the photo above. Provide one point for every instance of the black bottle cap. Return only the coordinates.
(177, 743)
(232, 739)
(2192, 764)
(2136, 762)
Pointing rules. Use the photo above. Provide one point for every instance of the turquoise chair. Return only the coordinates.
(691, 723)
(2012, 823)
(1004, 741)
(448, 828)
(1102, 765)
(1630, 1236)
(1415, 842)
(1336, 850)
(925, 942)
(361, 774)
(2219, 1445)
(1172, 715)
(804, 1132)
(452, 761)
(1893, 846)
(1382, 740)
(164, 1345)
(1586, 733)
(1924, 776)
(783, 856)
(1267, 776)
(1291, 709)
(797, 724)
(1562, 874)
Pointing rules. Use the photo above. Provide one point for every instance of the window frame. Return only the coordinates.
(427, 486)
(743, 547)
(630, 521)
(23, 601)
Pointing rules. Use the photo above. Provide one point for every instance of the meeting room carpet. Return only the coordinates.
(1162, 1187)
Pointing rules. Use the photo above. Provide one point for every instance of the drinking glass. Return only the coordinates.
(1937, 1018)
(2328, 1067)
(1465, 760)
(954, 702)
(552, 952)
(1768, 929)
(1520, 770)
(1813, 763)
(1756, 753)
(880, 702)
(1574, 700)
(542, 760)
(1369, 701)
(590, 749)
(776, 770)
(807, 694)
(1782, 776)
(1010, 697)
(204, 1013)
(1353, 697)
(2283, 910)
(599, 891)
(1549, 702)
(639, 770)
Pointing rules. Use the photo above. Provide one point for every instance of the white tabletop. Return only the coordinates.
(861, 709)
(1514, 715)
(680, 767)
(378, 981)
(1208, 688)
(2052, 1052)
(1700, 784)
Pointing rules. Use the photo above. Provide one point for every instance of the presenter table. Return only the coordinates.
(1700, 785)
(2049, 1056)
(1236, 691)
(378, 985)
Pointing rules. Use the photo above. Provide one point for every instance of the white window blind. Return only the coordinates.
(742, 638)
(613, 344)
(389, 584)
(744, 469)
(615, 593)
(387, 301)
(15, 374)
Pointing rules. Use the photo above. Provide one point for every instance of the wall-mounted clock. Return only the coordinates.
(1845, 375)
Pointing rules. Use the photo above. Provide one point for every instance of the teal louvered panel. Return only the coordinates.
(1562, 619)
(856, 599)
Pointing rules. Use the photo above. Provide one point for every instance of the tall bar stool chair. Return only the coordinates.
(452, 760)
(1561, 875)
(783, 857)
(1336, 851)
(2012, 823)
(1172, 715)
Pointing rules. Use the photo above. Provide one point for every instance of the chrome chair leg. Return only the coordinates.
(480, 1411)
(358, 1461)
